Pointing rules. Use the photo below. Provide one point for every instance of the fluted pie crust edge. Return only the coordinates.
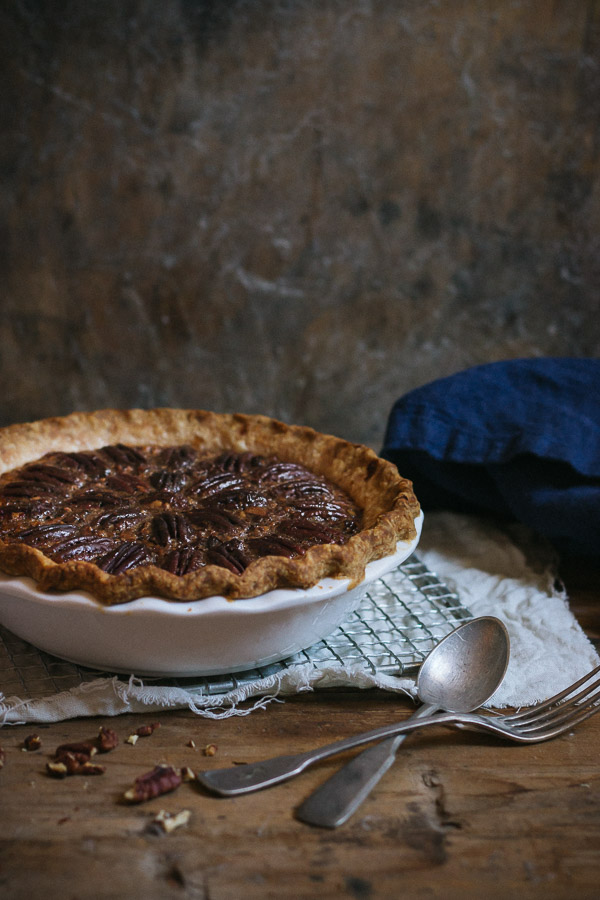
(386, 498)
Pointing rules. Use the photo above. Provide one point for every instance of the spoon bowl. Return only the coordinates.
(465, 669)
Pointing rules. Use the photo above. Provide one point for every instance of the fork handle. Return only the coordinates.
(254, 776)
(339, 797)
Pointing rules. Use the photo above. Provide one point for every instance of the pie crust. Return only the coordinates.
(386, 500)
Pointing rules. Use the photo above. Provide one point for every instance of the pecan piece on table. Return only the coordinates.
(142, 731)
(76, 758)
(161, 780)
(83, 748)
(73, 764)
(32, 742)
(168, 822)
(107, 740)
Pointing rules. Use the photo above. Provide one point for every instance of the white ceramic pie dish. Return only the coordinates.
(152, 636)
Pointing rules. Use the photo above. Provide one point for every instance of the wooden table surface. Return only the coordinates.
(459, 815)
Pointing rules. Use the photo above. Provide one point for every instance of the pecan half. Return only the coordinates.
(230, 555)
(241, 499)
(306, 529)
(169, 527)
(128, 484)
(177, 456)
(39, 534)
(23, 488)
(214, 484)
(230, 461)
(81, 547)
(180, 562)
(88, 462)
(47, 473)
(165, 480)
(282, 471)
(123, 455)
(275, 545)
(221, 518)
(161, 780)
(125, 556)
(98, 498)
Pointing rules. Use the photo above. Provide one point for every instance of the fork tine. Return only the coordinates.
(534, 718)
(566, 712)
(524, 715)
(552, 729)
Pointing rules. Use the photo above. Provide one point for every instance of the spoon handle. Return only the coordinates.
(253, 776)
(339, 797)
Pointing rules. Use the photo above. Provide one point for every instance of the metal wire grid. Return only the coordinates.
(399, 620)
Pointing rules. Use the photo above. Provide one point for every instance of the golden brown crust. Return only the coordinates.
(387, 500)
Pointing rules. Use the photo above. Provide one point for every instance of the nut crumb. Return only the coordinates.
(191, 743)
(210, 750)
(169, 821)
(188, 774)
(57, 769)
(132, 739)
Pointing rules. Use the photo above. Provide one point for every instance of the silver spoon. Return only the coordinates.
(243, 779)
(458, 676)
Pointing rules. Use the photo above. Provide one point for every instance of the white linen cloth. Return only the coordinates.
(493, 573)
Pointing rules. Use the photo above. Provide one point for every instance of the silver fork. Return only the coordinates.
(527, 726)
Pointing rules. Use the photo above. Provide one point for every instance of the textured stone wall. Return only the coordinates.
(298, 208)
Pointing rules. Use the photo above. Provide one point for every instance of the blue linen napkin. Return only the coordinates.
(518, 438)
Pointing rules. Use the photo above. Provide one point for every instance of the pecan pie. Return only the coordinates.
(186, 504)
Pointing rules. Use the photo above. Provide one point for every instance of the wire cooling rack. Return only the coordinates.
(400, 619)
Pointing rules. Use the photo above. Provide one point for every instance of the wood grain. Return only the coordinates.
(458, 815)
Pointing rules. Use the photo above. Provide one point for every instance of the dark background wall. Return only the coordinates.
(298, 208)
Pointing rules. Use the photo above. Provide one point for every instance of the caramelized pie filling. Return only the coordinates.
(122, 507)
